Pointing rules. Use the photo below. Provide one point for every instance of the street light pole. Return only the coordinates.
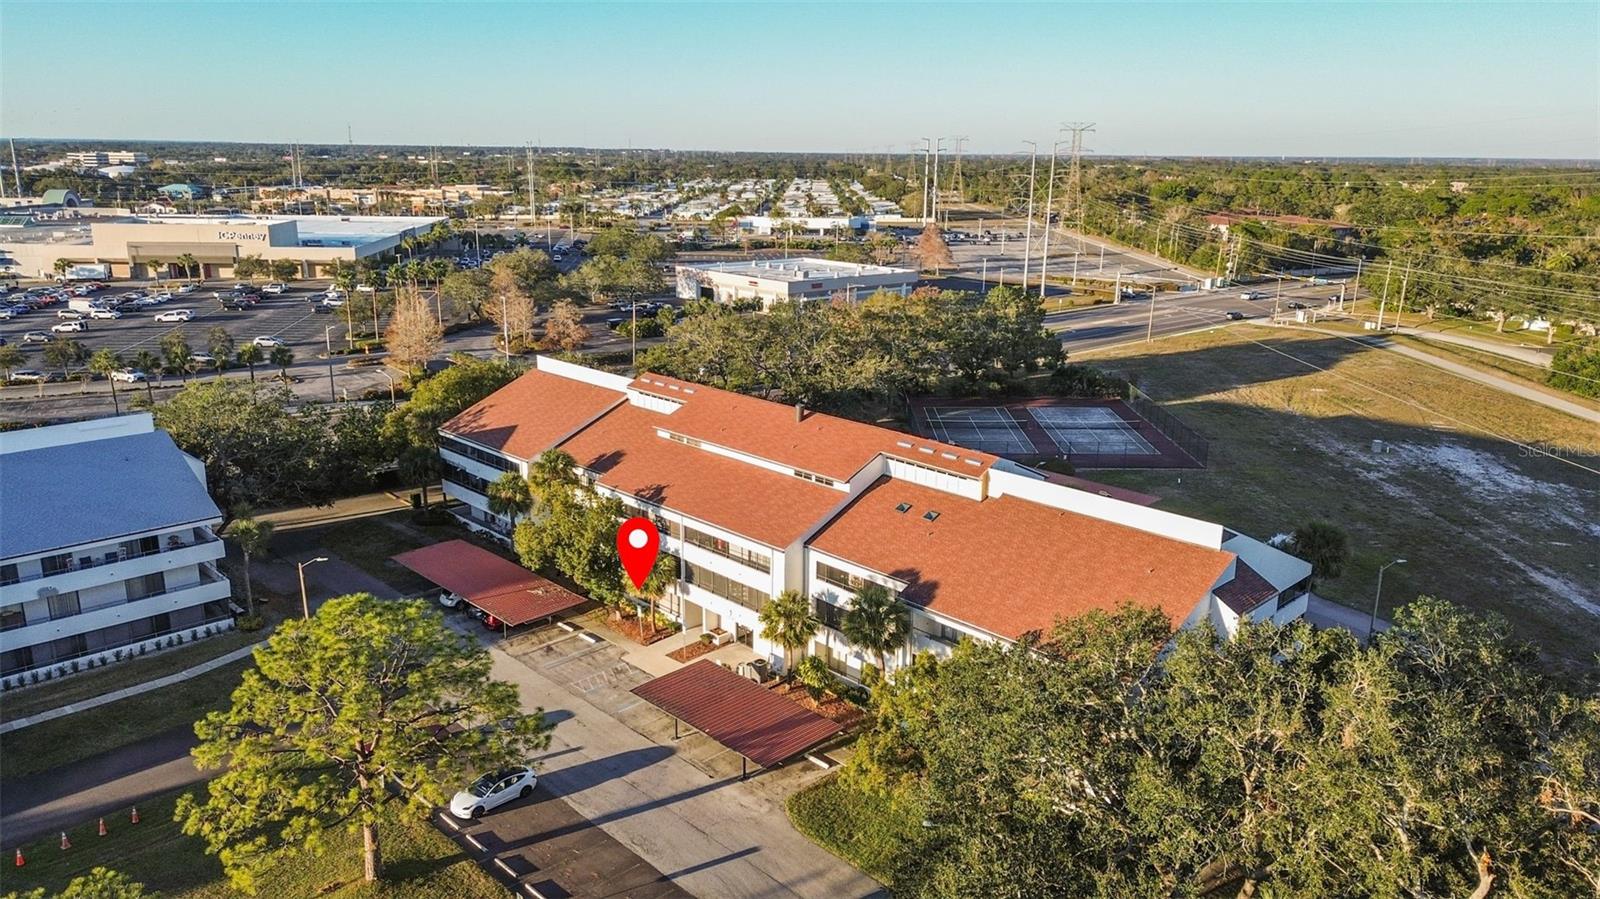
(1027, 239)
(1372, 623)
(1049, 202)
(327, 337)
(390, 379)
(300, 567)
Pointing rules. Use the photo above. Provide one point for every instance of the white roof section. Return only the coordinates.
(801, 269)
(97, 490)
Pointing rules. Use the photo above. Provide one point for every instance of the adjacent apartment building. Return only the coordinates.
(107, 543)
(755, 497)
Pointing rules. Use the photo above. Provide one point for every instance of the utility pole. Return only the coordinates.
(1400, 307)
(927, 161)
(1385, 301)
(16, 180)
(1355, 286)
(1049, 203)
(960, 189)
(1075, 184)
(937, 146)
(1116, 297)
(1150, 328)
(1027, 240)
(533, 206)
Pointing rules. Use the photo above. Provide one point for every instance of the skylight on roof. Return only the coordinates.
(903, 508)
(930, 515)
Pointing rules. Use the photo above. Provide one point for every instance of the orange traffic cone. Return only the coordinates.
(102, 827)
(20, 861)
(65, 843)
(134, 818)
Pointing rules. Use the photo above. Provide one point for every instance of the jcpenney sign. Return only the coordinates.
(242, 235)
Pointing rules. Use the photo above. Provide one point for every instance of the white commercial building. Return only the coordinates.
(754, 497)
(107, 546)
(96, 158)
(134, 246)
(778, 280)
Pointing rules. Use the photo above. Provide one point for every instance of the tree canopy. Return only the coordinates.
(366, 705)
(1110, 757)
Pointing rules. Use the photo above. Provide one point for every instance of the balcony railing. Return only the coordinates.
(208, 575)
(106, 556)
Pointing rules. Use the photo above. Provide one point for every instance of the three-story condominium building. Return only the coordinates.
(107, 542)
(755, 497)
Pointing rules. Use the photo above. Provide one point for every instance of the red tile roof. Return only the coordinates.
(624, 450)
(1010, 566)
(1246, 590)
(749, 719)
(532, 413)
(819, 443)
(498, 586)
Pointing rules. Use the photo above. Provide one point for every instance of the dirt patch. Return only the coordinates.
(690, 652)
(829, 706)
(634, 628)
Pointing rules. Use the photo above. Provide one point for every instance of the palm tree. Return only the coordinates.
(150, 364)
(250, 355)
(789, 622)
(104, 362)
(662, 576)
(283, 357)
(155, 266)
(252, 537)
(420, 465)
(190, 265)
(175, 347)
(62, 352)
(220, 344)
(1324, 545)
(509, 496)
(878, 622)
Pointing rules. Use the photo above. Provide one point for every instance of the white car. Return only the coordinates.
(202, 359)
(69, 327)
(275, 288)
(492, 791)
(268, 343)
(1252, 295)
(186, 289)
(144, 302)
(332, 302)
(161, 297)
(69, 314)
(174, 315)
(104, 314)
(450, 600)
(129, 376)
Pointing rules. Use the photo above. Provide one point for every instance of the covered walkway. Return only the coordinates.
(513, 595)
(759, 725)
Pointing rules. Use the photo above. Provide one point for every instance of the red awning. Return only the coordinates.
(741, 715)
(498, 586)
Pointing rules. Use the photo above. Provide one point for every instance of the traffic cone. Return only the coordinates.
(134, 818)
(20, 861)
(102, 827)
(65, 843)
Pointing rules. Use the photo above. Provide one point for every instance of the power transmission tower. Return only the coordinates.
(959, 187)
(1075, 184)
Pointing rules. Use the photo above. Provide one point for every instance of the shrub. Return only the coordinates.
(117, 655)
(251, 622)
(74, 666)
(814, 674)
(144, 648)
(33, 677)
(706, 638)
(1086, 381)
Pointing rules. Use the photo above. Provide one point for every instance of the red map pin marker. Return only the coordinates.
(638, 543)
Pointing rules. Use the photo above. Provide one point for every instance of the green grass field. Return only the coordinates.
(1489, 497)
(420, 862)
(862, 828)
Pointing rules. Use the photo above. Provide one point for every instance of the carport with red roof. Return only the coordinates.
(759, 725)
(513, 595)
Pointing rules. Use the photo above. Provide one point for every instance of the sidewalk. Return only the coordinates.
(124, 693)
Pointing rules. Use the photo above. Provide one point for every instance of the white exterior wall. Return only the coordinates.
(1154, 521)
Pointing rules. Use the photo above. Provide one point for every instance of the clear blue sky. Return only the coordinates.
(1424, 79)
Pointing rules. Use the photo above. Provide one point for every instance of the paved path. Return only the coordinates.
(346, 509)
(1539, 356)
(102, 785)
(124, 693)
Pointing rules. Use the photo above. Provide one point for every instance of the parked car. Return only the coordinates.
(185, 289)
(7, 313)
(268, 343)
(70, 315)
(205, 360)
(332, 302)
(29, 376)
(128, 376)
(451, 600)
(322, 309)
(69, 327)
(35, 337)
(104, 314)
(175, 315)
(161, 296)
(492, 791)
(275, 288)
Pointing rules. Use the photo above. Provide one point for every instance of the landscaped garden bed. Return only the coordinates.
(695, 650)
(638, 629)
(828, 705)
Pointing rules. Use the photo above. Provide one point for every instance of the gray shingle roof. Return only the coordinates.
(63, 496)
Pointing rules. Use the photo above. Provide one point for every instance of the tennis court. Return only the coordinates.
(989, 429)
(1091, 430)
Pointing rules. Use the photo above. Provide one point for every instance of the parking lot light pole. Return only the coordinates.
(1372, 623)
(390, 379)
(327, 336)
(305, 603)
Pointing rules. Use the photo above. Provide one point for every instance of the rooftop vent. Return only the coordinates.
(930, 515)
(925, 449)
(902, 443)
(903, 508)
(948, 455)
